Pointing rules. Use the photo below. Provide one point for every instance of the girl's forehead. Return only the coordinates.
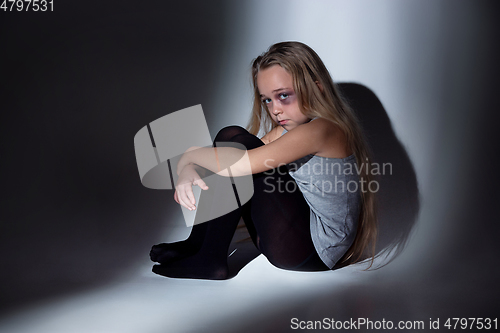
(272, 76)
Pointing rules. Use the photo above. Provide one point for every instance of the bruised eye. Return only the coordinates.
(283, 96)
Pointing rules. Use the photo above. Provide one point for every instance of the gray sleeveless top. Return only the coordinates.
(332, 190)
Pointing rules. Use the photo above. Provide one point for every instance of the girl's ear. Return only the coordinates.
(319, 86)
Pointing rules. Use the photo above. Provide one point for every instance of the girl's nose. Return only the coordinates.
(277, 110)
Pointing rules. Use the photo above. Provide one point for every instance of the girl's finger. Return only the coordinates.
(178, 196)
(182, 202)
(190, 195)
(183, 196)
(175, 197)
(201, 184)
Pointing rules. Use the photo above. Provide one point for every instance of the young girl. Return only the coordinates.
(311, 209)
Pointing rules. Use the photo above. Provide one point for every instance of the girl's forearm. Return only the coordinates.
(219, 160)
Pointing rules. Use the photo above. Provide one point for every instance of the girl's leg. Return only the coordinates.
(281, 218)
(210, 262)
(204, 253)
(168, 252)
(277, 218)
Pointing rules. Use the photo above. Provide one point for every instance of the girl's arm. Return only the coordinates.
(305, 139)
(273, 134)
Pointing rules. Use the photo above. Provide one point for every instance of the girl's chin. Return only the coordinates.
(288, 127)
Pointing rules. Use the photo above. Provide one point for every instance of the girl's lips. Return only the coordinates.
(283, 122)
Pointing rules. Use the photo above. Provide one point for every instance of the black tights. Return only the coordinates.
(277, 219)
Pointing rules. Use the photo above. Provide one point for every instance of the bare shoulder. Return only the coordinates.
(332, 138)
(319, 129)
(323, 126)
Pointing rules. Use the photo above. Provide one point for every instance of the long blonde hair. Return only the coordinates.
(309, 74)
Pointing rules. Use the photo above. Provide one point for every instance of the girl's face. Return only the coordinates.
(276, 90)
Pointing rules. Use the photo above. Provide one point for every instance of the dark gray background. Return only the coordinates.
(78, 83)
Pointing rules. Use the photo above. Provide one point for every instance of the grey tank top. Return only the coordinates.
(331, 188)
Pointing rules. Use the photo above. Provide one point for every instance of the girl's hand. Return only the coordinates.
(183, 191)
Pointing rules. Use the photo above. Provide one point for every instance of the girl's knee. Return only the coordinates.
(238, 135)
(229, 132)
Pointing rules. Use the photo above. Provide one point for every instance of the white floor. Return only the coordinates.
(149, 303)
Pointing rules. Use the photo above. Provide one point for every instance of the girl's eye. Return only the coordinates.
(266, 101)
(283, 96)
